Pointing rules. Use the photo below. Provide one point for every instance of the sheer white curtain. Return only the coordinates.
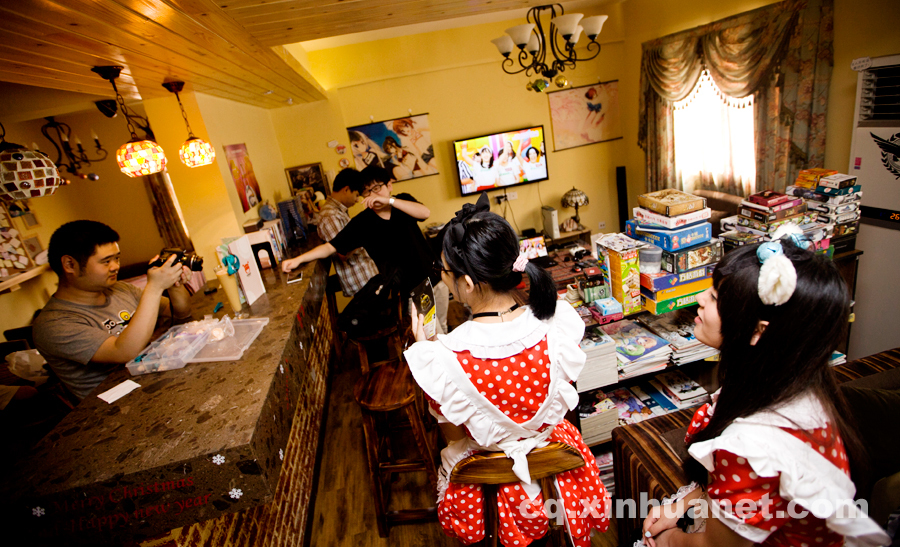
(714, 143)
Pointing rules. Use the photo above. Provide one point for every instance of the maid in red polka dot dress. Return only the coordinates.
(503, 382)
(771, 452)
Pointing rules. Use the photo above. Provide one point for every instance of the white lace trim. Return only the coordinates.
(805, 477)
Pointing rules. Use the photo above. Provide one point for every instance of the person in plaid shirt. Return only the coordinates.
(355, 268)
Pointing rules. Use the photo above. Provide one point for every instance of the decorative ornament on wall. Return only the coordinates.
(25, 173)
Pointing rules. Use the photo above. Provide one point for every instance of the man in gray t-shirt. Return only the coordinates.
(95, 323)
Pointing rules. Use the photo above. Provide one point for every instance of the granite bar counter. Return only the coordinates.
(212, 450)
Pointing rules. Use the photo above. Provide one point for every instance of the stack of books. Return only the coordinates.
(764, 212)
(835, 198)
(679, 389)
(600, 363)
(599, 416)
(605, 465)
(638, 351)
(678, 329)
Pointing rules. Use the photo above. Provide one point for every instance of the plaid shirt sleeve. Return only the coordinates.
(330, 224)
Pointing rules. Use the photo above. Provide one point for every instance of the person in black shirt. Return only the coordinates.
(388, 230)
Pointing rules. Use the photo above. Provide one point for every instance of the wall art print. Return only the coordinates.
(311, 185)
(585, 115)
(402, 146)
(243, 175)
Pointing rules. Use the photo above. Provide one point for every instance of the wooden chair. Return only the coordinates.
(382, 393)
(492, 468)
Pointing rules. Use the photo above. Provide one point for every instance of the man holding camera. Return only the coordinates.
(94, 323)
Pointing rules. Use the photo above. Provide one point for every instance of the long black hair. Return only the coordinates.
(484, 246)
(792, 353)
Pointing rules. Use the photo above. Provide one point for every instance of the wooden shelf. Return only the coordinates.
(12, 283)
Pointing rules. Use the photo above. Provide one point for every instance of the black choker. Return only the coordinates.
(495, 313)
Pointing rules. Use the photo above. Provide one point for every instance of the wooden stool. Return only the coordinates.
(492, 468)
(386, 388)
(390, 335)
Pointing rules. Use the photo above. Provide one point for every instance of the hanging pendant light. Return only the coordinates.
(137, 157)
(25, 173)
(195, 151)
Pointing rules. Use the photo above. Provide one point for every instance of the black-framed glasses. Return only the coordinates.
(372, 189)
(438, 268)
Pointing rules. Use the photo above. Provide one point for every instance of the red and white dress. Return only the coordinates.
(781, 477)
(510, 385)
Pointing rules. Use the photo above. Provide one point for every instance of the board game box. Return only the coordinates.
(671, 202)
(692, 257)
(838, 181)
(670, 240)
(646, 216)
(665, 280)
(768, 198)
(665, 306)
(681, 290)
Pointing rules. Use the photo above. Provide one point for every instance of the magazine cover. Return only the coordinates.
(633, 341)
(631, 409)
(594, 339)
(677, 328)
(680, 385)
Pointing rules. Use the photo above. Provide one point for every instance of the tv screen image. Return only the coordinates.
(501, 160)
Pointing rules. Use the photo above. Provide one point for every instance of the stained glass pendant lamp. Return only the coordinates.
(137, 157)
(25, 173)
(195, 151)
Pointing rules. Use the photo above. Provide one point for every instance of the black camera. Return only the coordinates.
(185, 258)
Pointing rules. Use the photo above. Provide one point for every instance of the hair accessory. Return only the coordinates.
(520, 263)
(777, 276)
(456, 228)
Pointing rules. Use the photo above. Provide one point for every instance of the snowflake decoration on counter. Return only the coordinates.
(38, 511)
(235, 493)
(282, 368)
(280, 454)
(218, 459)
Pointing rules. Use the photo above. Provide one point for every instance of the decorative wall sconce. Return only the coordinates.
(75, 158)
(534, 45)
(137, 157)
(25, 173)
(195, 151)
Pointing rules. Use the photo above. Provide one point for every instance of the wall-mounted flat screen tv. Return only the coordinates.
(501, 160)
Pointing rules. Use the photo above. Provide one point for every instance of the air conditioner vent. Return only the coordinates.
(880, 95)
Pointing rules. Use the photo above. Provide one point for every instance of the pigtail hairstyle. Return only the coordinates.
(792, 353)
(484, 246)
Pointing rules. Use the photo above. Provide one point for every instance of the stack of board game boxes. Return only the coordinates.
(676, 222)
(761, 214)
(835, 198)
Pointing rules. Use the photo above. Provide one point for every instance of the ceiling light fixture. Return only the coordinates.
(25, 173)
(136, 157)
(195, 151)
(75, 158)
(534, 45)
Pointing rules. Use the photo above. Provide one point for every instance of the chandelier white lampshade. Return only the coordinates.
(504, 45)
(520, 34)
(574, 38)
(137, 158)
(196, 152)
(566, 24)
(534, 44)
(593, 25)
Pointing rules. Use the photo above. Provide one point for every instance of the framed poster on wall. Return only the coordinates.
(243, 175)
(585, 115)
(402, 146)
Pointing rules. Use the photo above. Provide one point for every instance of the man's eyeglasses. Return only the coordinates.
(371, 190)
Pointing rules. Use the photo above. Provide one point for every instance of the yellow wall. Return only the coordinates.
(228, 123)
(201, 191)
(455, 76)
(115, 199)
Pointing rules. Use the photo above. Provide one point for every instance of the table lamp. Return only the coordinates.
(575, 198)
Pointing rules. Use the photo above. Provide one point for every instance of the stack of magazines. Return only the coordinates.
(678, 330)
(605, 465)
(598, 416)
(638, 350)
(679, 389)
(600, 363)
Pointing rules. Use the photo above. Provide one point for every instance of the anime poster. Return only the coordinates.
(402, 146)
(585, 115)
(242, 173)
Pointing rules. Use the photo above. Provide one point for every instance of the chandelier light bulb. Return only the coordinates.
(196, 152)
(567, 24)
(520, 34)
(593, 25)
(141, 157)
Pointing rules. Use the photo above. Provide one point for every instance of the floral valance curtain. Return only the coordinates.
(782, 54)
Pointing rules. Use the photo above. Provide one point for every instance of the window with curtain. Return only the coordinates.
(714, 141)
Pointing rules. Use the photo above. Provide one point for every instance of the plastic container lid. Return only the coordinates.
(650, 253)
(231, 348)
(173, 349)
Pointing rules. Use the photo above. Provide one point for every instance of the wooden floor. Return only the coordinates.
(343, 511)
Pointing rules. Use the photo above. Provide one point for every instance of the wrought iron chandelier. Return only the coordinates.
(75, 158)
(195, 151)
(136, 157)
(534, 45)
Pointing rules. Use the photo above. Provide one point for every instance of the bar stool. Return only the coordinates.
(384, 389)
(492, 468)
